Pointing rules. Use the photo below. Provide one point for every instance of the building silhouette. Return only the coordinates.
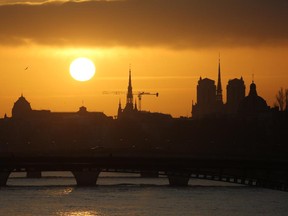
(253, 103)
(219, 97)
(129, 98)
(32, 131)
(210, 99)
(219, 108)
(22, 110)
(130, 107)
(235, 94)
(206, 98)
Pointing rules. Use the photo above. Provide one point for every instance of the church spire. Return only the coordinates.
(129, 101)
(219, 86)
(129, 83)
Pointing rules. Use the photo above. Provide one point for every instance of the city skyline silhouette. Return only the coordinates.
(143, 107)
(209, 101)
(243, 137)
(169, 44)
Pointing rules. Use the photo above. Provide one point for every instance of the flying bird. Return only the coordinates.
(26, 68)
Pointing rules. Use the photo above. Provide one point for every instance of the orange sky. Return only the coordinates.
(169, 44)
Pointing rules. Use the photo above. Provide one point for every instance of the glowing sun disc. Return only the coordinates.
(82, 69)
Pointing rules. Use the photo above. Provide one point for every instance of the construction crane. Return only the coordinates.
(139, 94)
(114, 92)
(145, 93)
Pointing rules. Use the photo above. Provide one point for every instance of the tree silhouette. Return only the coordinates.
(282, 99)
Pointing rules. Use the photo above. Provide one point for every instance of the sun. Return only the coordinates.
(82, 69)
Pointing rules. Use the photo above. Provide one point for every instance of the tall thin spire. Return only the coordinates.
(219, 86)
(129, 102)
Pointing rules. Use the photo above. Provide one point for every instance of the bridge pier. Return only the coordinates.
(86, 178)
(4, 175)
(179, 180)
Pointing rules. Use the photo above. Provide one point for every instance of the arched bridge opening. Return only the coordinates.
(179, 171)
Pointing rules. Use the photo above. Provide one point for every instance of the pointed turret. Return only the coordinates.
(135, 106)
(119, 109)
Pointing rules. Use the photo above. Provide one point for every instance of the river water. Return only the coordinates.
(130, 195)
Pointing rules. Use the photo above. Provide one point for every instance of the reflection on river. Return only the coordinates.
(128, 194)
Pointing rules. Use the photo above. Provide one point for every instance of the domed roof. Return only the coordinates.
(82, 110)
(252, 103)
(21, 107)
(22, 101)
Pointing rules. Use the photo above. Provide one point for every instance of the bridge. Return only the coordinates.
(255, 172)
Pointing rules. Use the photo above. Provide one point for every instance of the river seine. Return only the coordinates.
(128, 194)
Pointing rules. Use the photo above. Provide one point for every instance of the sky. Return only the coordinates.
(168, 44)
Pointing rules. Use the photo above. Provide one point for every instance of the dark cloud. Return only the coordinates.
(168, 23)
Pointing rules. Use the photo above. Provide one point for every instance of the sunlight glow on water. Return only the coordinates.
(79, 213)
(62, 192)
(122, 195)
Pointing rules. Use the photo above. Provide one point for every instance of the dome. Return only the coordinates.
(82, 110)
(21, 107)
(253, 103)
